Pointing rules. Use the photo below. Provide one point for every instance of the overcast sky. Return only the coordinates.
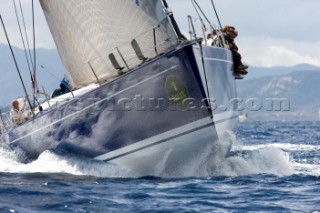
(271, 33)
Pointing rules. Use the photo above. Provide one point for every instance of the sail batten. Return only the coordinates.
(87, 31)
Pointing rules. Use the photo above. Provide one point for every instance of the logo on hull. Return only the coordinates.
(177, 92)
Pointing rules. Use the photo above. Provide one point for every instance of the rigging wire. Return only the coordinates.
(32, 77)
(201, 50)
(34, 55)
(213, 28)
(24, 45)
(50, 73)
(191, 28)
(34, 41)
(61, 81)
(204, 15)
(204, 29)
(17, 67)
(25, 32)
(216, 13)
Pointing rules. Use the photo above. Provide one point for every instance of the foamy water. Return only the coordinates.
(272, 167)
(49, 162)
(243, 160)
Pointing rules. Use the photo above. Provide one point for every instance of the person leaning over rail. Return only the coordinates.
(230, 33)
(17, 115)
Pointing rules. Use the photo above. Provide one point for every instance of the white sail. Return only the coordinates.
(89, 30)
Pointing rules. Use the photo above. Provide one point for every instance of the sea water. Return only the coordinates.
(273, 166)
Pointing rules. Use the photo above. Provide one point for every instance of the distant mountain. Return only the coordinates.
(258, 72)
(300, 84)
(300, 88)
(10, 86)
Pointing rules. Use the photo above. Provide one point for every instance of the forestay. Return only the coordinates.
(87, 31)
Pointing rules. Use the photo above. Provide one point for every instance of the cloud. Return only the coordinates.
(267, 51)
(279, 55)
(272, 33)
(43, 36)
(294, 19)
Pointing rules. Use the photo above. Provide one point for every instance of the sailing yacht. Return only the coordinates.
(141, 91)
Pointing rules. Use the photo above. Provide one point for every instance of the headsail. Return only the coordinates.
(89, 30)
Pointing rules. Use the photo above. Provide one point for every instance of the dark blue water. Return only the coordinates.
(273, 166)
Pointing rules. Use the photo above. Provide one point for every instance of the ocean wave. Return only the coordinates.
(275, 159)
(49, 162)
(284, 146)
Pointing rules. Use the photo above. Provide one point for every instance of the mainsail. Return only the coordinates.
(86, 32)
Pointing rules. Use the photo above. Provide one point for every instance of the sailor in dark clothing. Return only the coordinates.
(230, 33)
(64, 88)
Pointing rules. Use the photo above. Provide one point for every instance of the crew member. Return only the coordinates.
(230, 33)
(17, 115)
